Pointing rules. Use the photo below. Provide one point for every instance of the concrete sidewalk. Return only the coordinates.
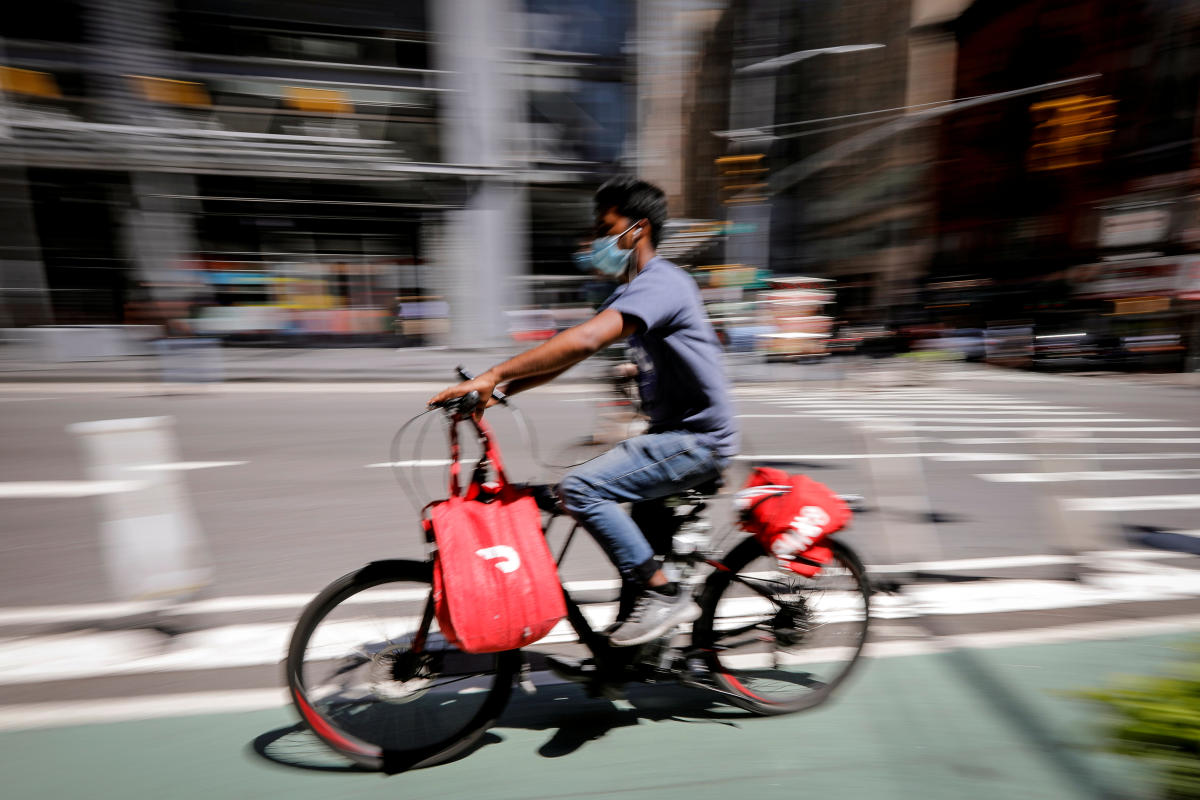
(425, 364)
(215, 364)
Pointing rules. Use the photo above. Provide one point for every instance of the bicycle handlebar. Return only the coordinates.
(462, 406)
(466, 404)
(500, 396)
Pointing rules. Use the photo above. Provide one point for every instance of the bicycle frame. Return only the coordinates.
(613, 662)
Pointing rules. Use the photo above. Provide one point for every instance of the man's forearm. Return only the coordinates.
(555, 356)
(519, 385)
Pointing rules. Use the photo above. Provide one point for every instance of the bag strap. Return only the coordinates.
(491, 454)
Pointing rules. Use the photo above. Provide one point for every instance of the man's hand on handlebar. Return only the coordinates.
(484, 384)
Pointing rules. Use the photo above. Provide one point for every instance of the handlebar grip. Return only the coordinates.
(500, 396)
(460, 405)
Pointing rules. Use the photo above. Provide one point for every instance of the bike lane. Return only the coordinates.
(986, 723)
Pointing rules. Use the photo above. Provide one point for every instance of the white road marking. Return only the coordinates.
(91, 612)
(967, 457)
(978, 424)
(1056, 429)
(42, 489)
(1092, 475)
(30, 716)
(823, 456)
(83, 712)
(1035, 560)
(268, 387)
(1070, 439)
(80, 656)
(186, 465)
(1064, 456)
(1159, 502)
(943, 408)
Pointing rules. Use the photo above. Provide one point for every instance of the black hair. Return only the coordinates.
(637, 200)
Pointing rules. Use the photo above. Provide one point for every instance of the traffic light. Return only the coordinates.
(1070, 131)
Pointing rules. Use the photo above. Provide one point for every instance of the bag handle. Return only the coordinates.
(491, 454)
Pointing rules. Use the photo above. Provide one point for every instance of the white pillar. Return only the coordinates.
(484, 244)
(151, 541)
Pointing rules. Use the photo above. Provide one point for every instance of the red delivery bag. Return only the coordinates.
(790, 515)
(495, 585)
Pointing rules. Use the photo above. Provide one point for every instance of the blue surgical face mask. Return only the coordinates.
(607, 257)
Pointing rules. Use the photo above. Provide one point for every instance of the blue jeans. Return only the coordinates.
(643, 468)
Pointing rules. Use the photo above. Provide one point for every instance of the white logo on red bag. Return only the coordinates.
(511, 559)
(806, 528)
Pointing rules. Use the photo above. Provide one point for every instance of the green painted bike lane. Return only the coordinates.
(976, 724)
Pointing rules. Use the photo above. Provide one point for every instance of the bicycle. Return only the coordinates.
(370, 674)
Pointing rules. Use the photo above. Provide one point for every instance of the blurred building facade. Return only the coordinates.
(990, 161)
(1075, 207)
(412, 170)
(335, 169)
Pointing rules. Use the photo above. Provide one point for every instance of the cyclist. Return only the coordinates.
(692, 432)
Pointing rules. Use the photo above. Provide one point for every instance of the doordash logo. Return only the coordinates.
(510, 559)
(806, 528)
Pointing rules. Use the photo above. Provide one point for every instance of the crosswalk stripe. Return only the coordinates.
(83, 655)
(954, 412)
(179, 466)
(977, 424)
(32, 716)
(41, 489)
(1066, 439)
(966, 457)
(984, 408)
(1092, 475)
(1159, 502)
(1056, 429)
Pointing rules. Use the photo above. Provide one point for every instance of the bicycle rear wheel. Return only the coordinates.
(372, 676)
(779, 642)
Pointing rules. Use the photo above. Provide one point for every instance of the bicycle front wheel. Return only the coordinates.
(370, 673)
(779, 642)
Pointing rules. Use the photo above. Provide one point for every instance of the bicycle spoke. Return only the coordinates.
(781, 642)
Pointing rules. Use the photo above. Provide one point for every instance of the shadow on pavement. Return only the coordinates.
(577, 719)
(565, 709)
(1162, 539)
(298, 748)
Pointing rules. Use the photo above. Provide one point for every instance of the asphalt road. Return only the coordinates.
(299, 500)
(972, 473)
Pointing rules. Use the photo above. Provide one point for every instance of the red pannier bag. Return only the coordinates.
(790, 515)
(495, 585)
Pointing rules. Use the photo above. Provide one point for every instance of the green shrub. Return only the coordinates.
(1157, 720)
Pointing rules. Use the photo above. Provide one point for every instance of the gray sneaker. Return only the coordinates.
(653, 615)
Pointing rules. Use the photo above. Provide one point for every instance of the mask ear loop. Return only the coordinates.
(630, 268)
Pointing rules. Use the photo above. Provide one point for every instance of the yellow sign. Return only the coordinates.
(28, 82)
(329, 101)
(172, 92)
(1071, 131)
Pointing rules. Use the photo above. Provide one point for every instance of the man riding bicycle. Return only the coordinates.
(692, 432)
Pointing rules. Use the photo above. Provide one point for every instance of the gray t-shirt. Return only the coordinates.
(678, 356)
